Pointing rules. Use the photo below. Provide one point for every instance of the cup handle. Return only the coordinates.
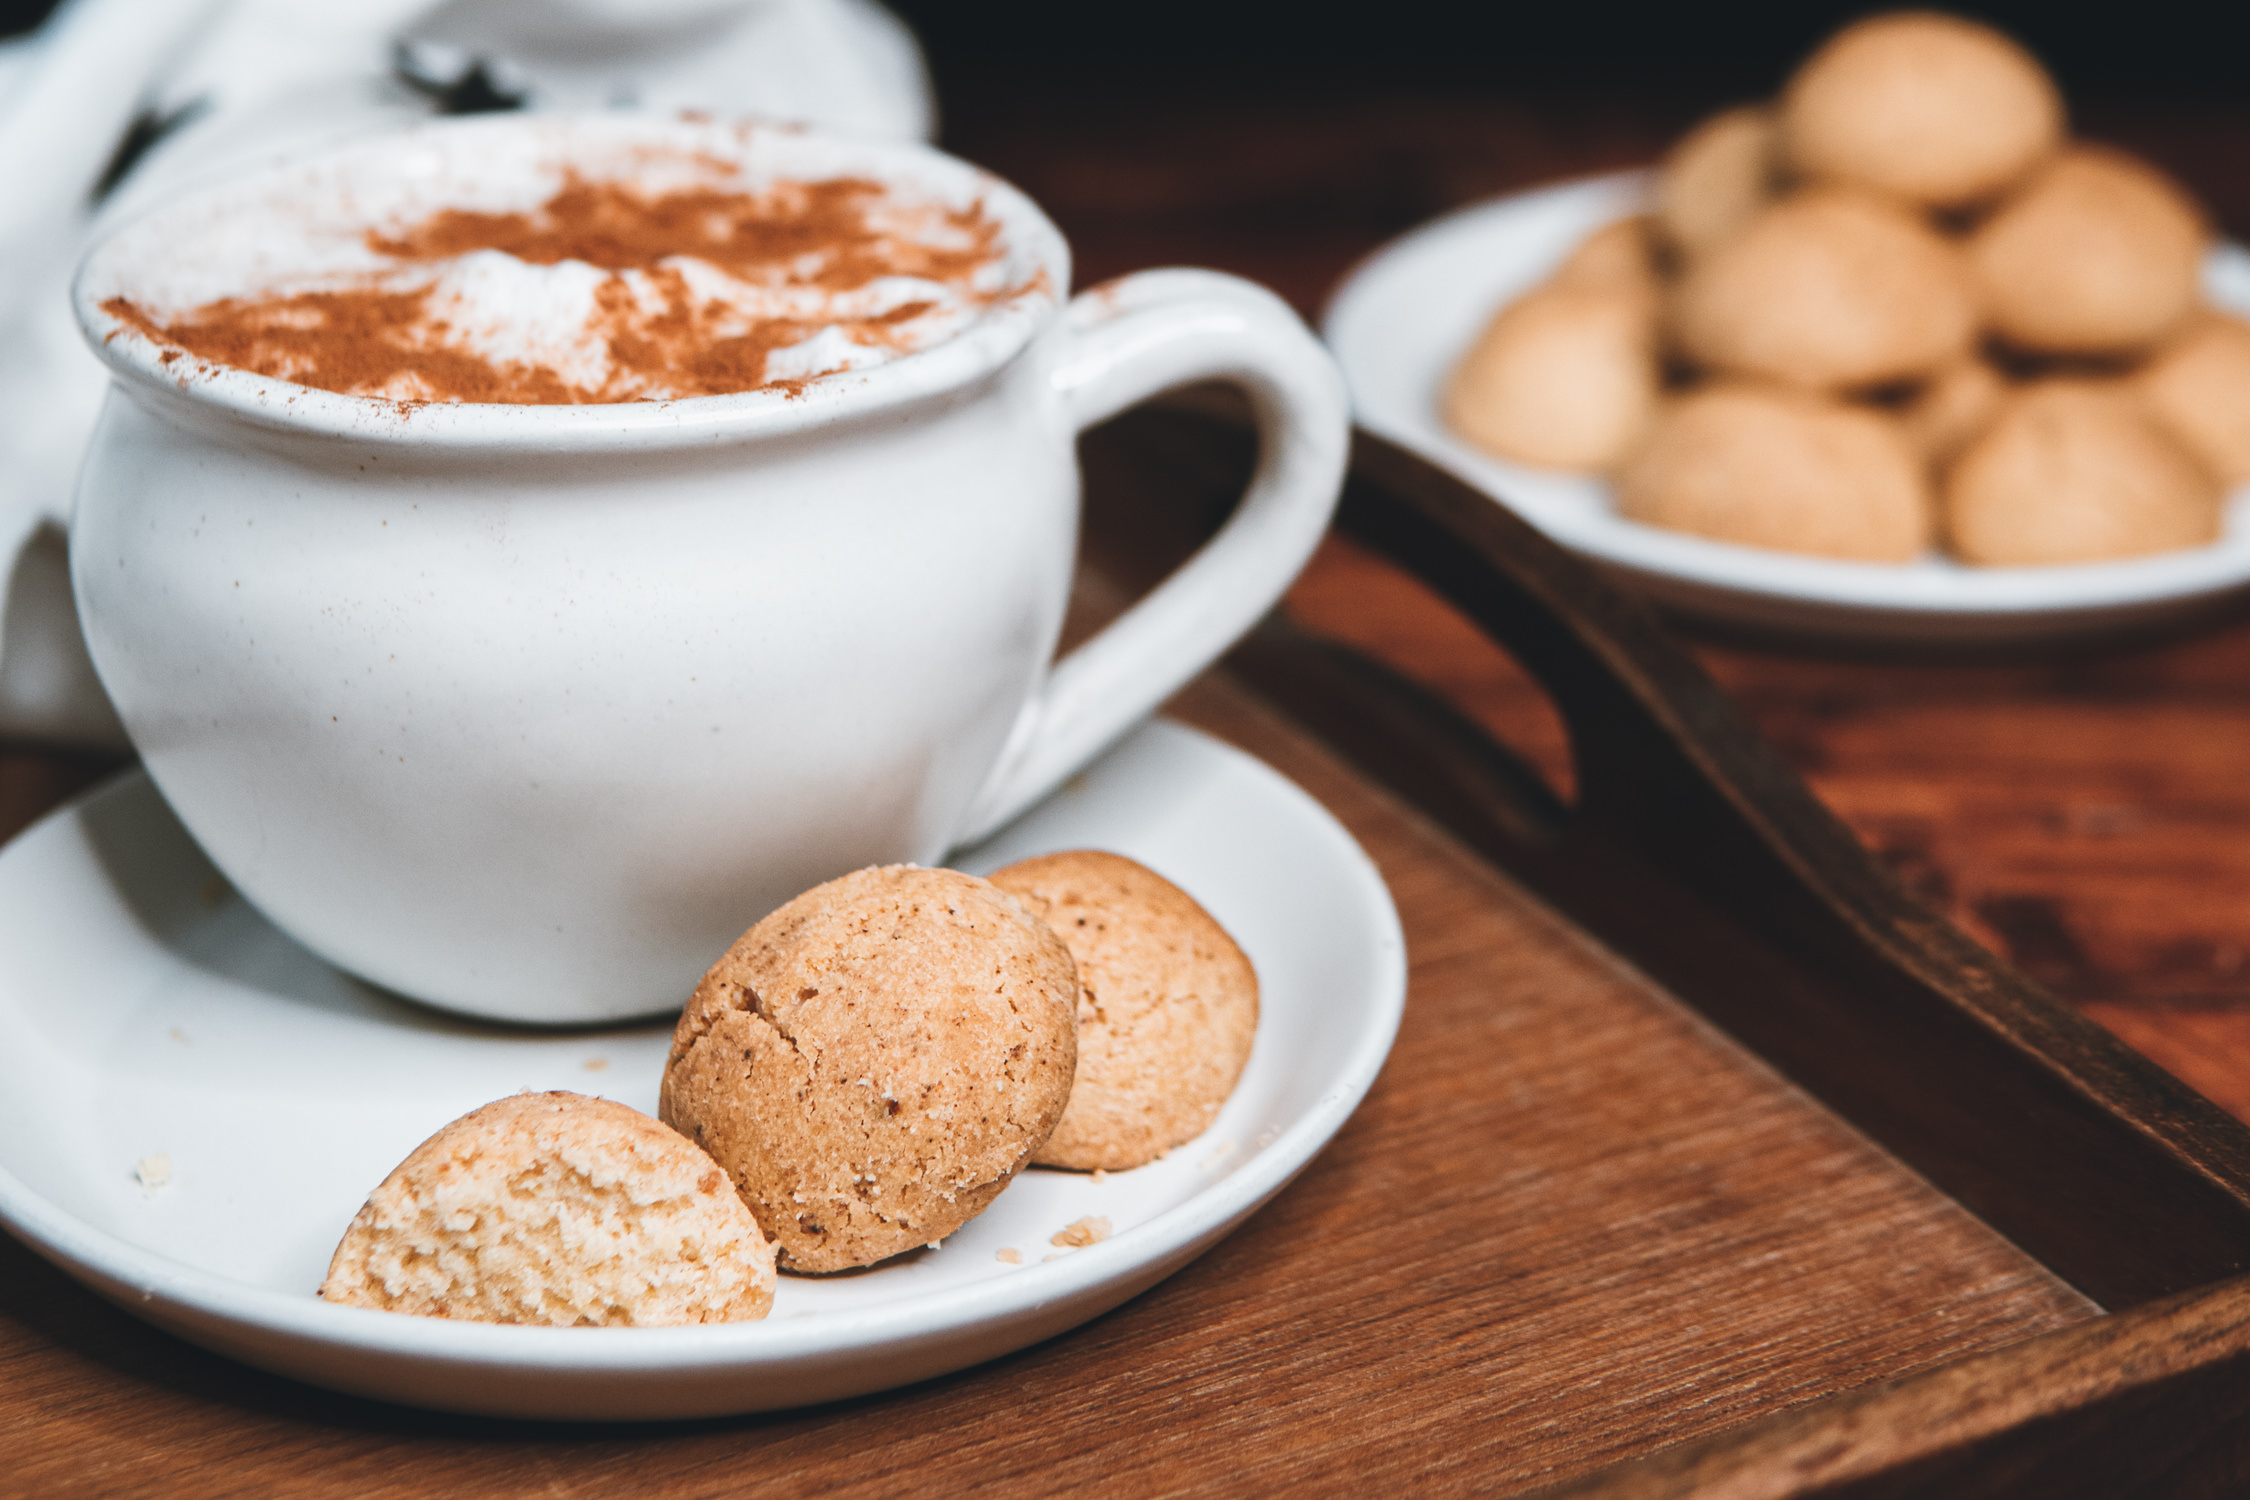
(1125, 341)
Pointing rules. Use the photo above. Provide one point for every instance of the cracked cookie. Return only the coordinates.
(1167, 1006)
(874, 1061)
(556, 1209)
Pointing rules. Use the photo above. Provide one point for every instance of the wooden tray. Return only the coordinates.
(1707, 1164)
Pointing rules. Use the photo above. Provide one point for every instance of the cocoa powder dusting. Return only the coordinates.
(354, 343)
(381, 339)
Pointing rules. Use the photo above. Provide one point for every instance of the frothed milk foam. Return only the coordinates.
(653, 274)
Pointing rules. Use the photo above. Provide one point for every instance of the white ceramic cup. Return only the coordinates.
(528, 711)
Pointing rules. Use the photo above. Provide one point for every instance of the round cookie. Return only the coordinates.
(2199, 387)
(1830, 289)
(874, 1061)
(558, 1209)
(1765, 466)
(2076, 471)
(1952, 408)
(1618, 257)
(2100, 255)
(1929, 108)
(1565, 378)
(1167, 1006)
(1716, 179)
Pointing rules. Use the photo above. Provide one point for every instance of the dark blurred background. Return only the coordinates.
(2164, 45)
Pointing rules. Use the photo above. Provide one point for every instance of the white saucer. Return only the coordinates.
(1404, 317)
(145, 1009)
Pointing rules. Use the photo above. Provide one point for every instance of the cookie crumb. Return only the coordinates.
(181, 1037)
(596, 1064)
(1100, 1175)
(1008, 1257)
(1219, 1153)
(1265, 1137)
(154, 1171)
(1045, 1258)
(1084, 1232)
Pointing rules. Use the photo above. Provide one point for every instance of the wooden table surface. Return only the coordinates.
(2085, 812)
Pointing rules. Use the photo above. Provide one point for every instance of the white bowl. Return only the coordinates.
(1404, 317)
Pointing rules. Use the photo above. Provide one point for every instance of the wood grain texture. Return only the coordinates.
(2085, 817)
(1569, 1218)
(2122, 1408)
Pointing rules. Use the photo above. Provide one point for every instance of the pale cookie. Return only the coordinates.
(1716, 179)
(2100, 255)
(1618, 257)
(1167, 1006)
(1831, 289)
(1765, 466)
(1564, 377)
(2077, 471)
(874, 1061)
(2199, 386)
(560, 1209)
(1929, 108)
(1952, 408)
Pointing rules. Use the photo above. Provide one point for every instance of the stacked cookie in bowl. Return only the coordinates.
(1896, 309)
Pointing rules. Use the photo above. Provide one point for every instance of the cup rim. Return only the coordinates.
(998, 334)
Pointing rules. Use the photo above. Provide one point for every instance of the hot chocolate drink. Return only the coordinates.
(691, 276)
